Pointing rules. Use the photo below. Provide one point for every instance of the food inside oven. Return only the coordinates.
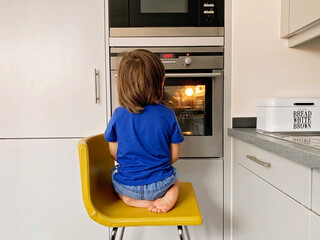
(188, 102)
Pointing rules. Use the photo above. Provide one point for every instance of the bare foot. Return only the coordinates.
(166, 203)
(136, 203)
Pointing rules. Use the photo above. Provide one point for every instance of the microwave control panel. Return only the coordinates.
(207, 12)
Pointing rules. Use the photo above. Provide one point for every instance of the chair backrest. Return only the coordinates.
(105, 207)
(95, 167)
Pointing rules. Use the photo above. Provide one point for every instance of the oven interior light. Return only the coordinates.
(189, 92)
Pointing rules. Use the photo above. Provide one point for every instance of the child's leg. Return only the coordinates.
(136, 203)
(167, 202)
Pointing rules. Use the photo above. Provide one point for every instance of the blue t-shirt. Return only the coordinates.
(143, 143)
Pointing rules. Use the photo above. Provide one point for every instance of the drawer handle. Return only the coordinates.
(253, 158)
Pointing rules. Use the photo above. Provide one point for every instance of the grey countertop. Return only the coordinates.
(299, 153)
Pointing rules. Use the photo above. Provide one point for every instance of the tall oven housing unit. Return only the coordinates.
(194, 90)
(188, 36)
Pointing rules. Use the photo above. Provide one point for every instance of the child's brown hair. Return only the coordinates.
(140, 80)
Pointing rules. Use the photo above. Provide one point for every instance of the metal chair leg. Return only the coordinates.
(122, 232)
(180, 231)
(113, 233)
(186, 229)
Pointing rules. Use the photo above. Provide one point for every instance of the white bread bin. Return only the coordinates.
(289, 115)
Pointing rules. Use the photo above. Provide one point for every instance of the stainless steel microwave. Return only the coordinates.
(166, 18)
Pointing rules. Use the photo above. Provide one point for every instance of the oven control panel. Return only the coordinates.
(184, 58)
(194, 59)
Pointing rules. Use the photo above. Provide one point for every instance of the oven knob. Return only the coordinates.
(188, 61)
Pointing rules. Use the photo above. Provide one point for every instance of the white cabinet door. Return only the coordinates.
(49, 50)
(314, 226)
(316, 191)
(207, 179)
(265, 213)
(303, 13)
(41, 192)
(206, 176)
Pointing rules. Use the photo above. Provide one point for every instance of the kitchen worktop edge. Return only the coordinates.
(299, 153)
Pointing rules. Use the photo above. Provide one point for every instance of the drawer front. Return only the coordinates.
(316, 191)
(291, 178)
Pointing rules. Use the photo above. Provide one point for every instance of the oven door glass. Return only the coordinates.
(191, 99)
(164, 13)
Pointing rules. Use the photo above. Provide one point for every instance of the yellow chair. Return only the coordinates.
(103, 205)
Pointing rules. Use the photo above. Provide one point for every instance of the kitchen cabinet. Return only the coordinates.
(286, 175)
(49, 50)
(314, 226)
(300, 20)
(273, 200)
(303, 13)
(316, 191)
(266, 213)
(206, 176)
(41, 192)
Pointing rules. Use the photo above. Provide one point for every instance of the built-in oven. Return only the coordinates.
(194, 90)
(149, 17)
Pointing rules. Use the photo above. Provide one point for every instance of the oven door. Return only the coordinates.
(164, 13)
(197, 99)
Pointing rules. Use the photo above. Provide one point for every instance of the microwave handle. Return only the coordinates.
(191, 75)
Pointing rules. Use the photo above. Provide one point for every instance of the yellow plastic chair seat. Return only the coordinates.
(117, 214)
(104, 206)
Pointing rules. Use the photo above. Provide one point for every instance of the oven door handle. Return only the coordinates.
(191, 75)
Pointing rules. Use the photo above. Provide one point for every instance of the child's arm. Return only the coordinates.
(175, 152)
(113, 146)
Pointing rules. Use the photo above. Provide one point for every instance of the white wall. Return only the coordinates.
(263, 65)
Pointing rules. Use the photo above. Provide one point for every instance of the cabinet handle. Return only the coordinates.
(255, 159)
(191, 75)
(96, 85)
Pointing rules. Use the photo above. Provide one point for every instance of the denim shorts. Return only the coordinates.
(150, 191)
